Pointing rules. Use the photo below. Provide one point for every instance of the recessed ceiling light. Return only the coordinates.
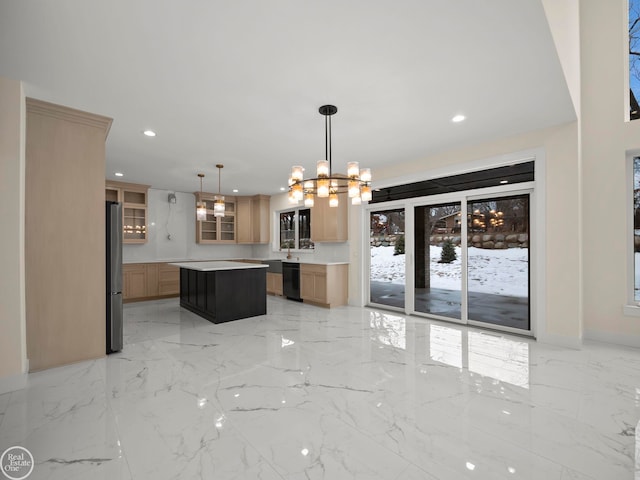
(504, 181)
(119, 174)
(149, 133)
(235, 190)
(282, 189)
(458, 118)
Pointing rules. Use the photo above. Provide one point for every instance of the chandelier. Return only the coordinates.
(201, 207)
(357, 181)
(218, 204)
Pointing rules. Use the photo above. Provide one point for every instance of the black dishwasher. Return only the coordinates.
(291, 280)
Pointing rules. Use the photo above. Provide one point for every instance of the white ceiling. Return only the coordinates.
(239, 82)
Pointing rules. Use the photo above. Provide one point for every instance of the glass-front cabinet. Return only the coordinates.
(216, 229)
(133, 197)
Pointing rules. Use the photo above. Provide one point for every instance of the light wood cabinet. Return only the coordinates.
(134, 201)
(168, 280)
(146, 281)
(134, 281)
(325, 285)
(274, 283)
(329, 224)
(64, 260)
(216, 229)
(253, 219)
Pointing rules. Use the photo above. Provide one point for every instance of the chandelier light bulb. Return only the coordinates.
(292, 198)
(354, 188)
(297, 191)
(356, 200)
(201, 211)
(365, 174)
(308, 200)
(297, 173)
(365, 193)
(322, 168)
(333, 200)
(218, 206)
(353, 170)
(323, 188)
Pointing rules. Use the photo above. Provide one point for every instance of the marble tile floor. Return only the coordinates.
(348, 393)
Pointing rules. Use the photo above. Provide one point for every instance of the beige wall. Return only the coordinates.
(606, 139)
(12, 308)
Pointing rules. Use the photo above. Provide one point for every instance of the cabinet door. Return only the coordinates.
(245, 220)
(329, 224)
(133, 197)
(152, 279)
(134, 278)
(216, 229)
(277, 284)
(168, 279)
(320, 287)
(307, 285)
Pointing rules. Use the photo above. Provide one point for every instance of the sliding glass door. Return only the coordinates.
(387, 258)
(467, 260)
(498, 261)
(438, 260)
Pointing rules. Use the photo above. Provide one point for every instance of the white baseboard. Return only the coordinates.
(616, 338)
(13, 383)
(560, 341)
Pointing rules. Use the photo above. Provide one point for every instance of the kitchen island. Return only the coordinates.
(221, 291)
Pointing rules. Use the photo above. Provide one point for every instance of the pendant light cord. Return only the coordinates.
(327, 140)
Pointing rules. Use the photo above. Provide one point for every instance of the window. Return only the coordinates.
(636, 228)
(634, 58)
(295, 229)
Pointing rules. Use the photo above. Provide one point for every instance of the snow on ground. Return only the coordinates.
(490, 271)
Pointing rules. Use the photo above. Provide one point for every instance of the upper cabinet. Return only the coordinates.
(253, 219)
(216, 229)
(133, 197)
(329, 224)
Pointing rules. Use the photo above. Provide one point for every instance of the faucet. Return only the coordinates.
(289, 256)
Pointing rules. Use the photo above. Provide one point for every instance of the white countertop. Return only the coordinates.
(218, 265)
(177, 261)
(312, 262)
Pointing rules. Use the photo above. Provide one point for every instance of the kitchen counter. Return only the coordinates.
(223, 291)
(218, 265)
(183, 260)
(313, 262)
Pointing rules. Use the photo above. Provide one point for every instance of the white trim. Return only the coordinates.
(630, 231)
(538, 249)
(631, 310)
(13, 383)
(615, 338)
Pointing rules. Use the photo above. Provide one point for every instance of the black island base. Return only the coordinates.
(223, 294)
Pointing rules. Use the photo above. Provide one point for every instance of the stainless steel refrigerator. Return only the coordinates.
(114, 276)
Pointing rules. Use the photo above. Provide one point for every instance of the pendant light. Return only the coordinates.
(218, 205)
(356, 183)
(201, 207)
